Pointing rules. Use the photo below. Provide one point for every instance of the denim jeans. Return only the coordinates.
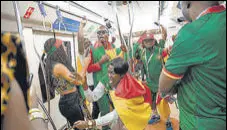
(69, 106)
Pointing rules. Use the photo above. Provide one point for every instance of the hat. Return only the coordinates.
(146, 36)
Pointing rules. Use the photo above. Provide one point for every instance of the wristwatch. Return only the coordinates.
(90, 124)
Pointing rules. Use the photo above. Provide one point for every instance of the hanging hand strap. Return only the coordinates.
(44, 14)
(41, 8)
(60, 18)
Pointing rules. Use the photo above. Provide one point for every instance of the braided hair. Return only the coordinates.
(52, 58)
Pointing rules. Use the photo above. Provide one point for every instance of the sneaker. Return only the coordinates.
(169, 126)
(154, 119)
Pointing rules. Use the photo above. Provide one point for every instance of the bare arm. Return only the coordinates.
(16, 116)
(60, 70)
(166, 84)
(164, 32)
(81, 36)
(37, 123)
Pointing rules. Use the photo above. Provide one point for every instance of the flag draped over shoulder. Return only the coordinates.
(132, 103)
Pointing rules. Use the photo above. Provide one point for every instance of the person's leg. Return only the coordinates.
(69, 106)
(170, 99)
(104, 108)
(154, 106)
(155, 117)
(95, 110)
(95, 107)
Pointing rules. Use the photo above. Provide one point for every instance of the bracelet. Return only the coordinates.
(34, 110)
(35, 113)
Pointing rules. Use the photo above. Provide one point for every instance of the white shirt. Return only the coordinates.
(110, 118)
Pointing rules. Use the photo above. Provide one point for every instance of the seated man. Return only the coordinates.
(128, 96)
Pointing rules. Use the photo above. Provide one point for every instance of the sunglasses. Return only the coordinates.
(148, 40)
(102, 32)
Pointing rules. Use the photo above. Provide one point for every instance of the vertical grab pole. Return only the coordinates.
(19, 24)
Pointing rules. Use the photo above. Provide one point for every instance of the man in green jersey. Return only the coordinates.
(152, 57)
(198, 59)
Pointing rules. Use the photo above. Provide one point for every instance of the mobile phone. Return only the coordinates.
(156, 23)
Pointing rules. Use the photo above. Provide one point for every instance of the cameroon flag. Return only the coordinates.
(163, 107)
(132, 102)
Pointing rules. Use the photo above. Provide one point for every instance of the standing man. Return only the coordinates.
(152, 57)
(198, 59)
(101, 53)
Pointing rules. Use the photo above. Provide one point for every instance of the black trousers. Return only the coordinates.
(154, 96)
(95, 108)
(69, 106)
